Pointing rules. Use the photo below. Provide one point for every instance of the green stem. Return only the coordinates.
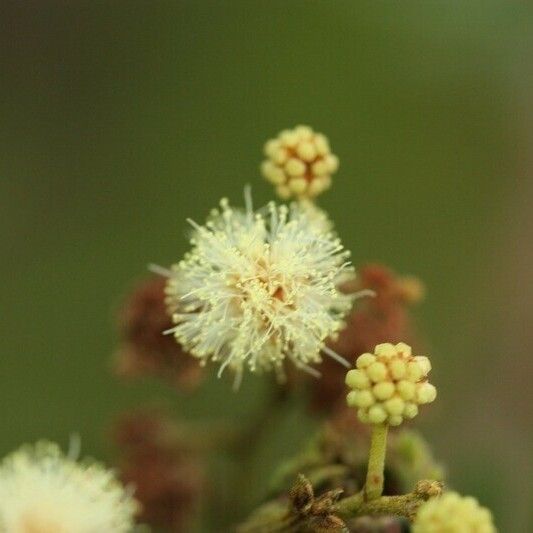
(376, 462)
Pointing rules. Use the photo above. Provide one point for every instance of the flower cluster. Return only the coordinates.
(167, 472)
(143, 349)
(43, 490)
(299, 163)
(389, 384)
(453, 512)
(259, 288)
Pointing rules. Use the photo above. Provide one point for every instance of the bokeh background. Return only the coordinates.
(121, 119)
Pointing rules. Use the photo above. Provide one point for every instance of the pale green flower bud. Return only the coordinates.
(390, 384)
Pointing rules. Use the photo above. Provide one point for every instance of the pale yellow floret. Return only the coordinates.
(364, 398)
(385, 350)
(307, 151)
(271, 147)
(322, 144)
(273, 173)
(280, 156)
(304, 132)
(289, 138)
(395, 420)
(332, 163)
(365, 360)
(394, 406)
(410, 410)
(397, 369)
(319, 168)
(404, 349)
(294, 167)
(453, 513)
(390, 384)
(351, 398)
(406, 389)
(297, 185)
(376, 414)
(356, 379)
(299, 153)
(424, 363)
(317, 186)
(383, 390)
(414, 371)
(426, 393)
(377, 372)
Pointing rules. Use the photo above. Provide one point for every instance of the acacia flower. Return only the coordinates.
(42, 490)
(299, 163)
(452, 513)
(259, 288)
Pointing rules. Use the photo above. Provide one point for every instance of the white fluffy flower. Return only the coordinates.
(44, 491)
(258, 288)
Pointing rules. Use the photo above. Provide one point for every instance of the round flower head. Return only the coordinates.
(453, 513)
(389, 384)
(258, 288)
(42, 490)
(299, 163)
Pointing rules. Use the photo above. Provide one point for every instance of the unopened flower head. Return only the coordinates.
(42, 490)
(389, 384)
(299, 163)
(259, 288)
(451, 513)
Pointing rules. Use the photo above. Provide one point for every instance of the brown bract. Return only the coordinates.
(143, 349)
(374, 320)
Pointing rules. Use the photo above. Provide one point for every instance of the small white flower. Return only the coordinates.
(44, 491)
(259, 288)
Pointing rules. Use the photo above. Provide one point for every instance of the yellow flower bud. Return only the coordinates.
(398, 369)
(426, 393)
(357, 379)
(406, 389)
(414, 371)
(383, 390)
(385, 350)
(297, 185)
(294, 167)
(395, 420)
(377, 372)
(390, 384)
(377, 415)
(424, 363)
(365, 360)
(410, 410)
(300, 153)
(395, 406)
(364, 398)
(306, 151)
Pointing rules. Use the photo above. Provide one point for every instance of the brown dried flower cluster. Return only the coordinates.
(166, 474)
(144, 349)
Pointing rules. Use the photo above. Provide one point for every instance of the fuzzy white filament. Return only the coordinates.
(42, 490)
(259, 288)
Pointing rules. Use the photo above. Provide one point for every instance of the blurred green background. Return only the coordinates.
(121, 119)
